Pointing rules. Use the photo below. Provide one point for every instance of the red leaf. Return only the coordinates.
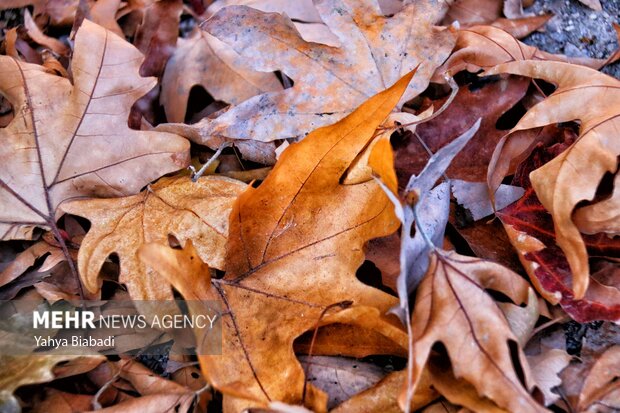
(527, 222)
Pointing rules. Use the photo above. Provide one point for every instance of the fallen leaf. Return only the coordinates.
(546, 368)
(593, 4)
(429, 214)
(601, 387)
(468, 12)
(59, 12)
(563, 182)
(18, 371)
(301, 214)
(474, 196)
(483, 47)
(38, 36)
(203, 60)
(524, 26)
(339, 377)
(530, 229)
(92, 151)
(173, 206)
(157, 35)
(348, 341)
(329, 82)
(452, 307)
(487, 100)
(25, 260)
(383, 396)
(103, 12)
(61, 402)
(601, 216)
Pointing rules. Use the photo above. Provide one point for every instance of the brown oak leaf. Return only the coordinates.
(453, 307)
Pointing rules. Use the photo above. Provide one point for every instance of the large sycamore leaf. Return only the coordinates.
(173, 206)
(453, 307)
(574, 175)
(295, 243)
(330, 82)
(70, 140)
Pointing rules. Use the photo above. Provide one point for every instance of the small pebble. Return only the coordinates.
(593, 16)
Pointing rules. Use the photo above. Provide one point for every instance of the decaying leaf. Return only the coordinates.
(546, 368)
(601, 388)
(295, 243)
(157, 35)
(173, 206)
(329, 82)
(70, 140)
(21, 370)
(603, 216)
(573, 176)
(482, 47)
(489, 100)
(530, 230)
(340, 377)
(204, 60)
(453, 308)
(474, 196)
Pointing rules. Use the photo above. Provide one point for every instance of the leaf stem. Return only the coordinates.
(65, 251)
(203, 168)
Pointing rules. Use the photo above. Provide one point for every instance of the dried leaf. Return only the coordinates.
(18, 371)
(468, 12)
(157, 36)
(487, 100)
(72, 140)
(339, 377)
(173, 206)
(439, 162)
(530, 229)
(601, 216)
(601, 387)
(452, 307)
(204, 60)
(383, 396)
(300, 214)
(482, 47)
(329, 82)
(565, 181)
(546, 368)
(27, 259)
(474, 196)
(37, 35)
(593, 4)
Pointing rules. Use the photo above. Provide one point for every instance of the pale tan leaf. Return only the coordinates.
(329, 82)
(71, 140)
(173, 206)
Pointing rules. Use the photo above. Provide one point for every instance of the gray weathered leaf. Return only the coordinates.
(475, 197)
(439, 162)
